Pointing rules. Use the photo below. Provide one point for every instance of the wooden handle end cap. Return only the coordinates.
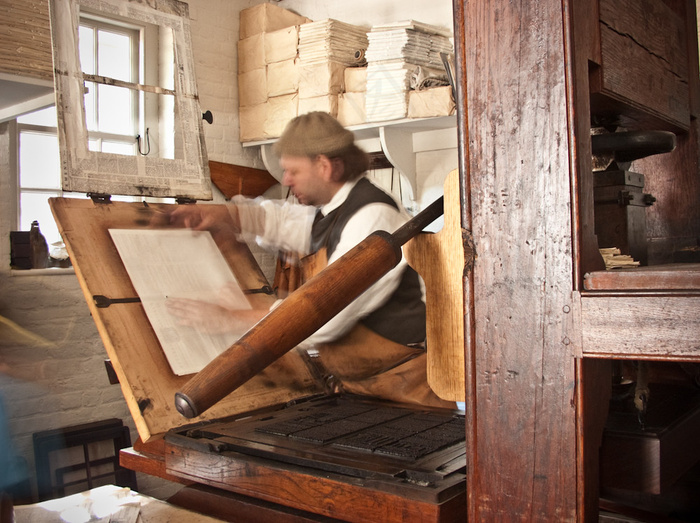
(185, 406)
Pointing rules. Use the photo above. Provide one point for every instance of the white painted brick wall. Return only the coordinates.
(64, 383)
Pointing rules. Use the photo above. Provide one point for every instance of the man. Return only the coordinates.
(323, 169)
(338, 208)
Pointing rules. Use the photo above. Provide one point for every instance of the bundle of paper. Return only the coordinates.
(388, 87)
(614, 259)
(412, 42)
(331, 40)
(400, 56)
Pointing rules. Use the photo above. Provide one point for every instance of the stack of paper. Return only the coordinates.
(614, 259)
(416, 43)
(268, 78)
(326, 48)
(400, 56)
(331, 40)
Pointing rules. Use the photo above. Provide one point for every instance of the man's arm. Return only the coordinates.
(276, 224)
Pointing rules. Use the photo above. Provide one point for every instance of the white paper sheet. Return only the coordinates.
(181, 263)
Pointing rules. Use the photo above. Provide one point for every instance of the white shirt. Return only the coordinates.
(287, 226)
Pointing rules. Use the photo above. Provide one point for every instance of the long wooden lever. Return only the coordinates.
(302, 313)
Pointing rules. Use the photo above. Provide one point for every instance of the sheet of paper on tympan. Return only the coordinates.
(180, 263)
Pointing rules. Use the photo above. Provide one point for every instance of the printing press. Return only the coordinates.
(301, 437)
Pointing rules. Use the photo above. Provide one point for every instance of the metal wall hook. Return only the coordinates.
(148, 143)
(208, 117)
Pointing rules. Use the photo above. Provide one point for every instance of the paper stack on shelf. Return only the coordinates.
(332, 40)
(411, 41)
(614, 259)
(351, 102)
(399, 57)
(268, 76)
(326, 48)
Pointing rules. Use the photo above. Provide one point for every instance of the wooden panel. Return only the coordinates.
(149, 461)
(584, 48)
(146, 379)
(644, 60)
(680, 276)
(594, 385)
(440, 260)
(651, 458)
(523, 350)
(673, 222)
(228, 506)
(641, 326)
(25, 46)
(325, 493)
(232, 180)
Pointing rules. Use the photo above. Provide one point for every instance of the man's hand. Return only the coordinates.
(212, 318)
(206, 217)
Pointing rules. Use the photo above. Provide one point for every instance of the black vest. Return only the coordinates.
(402, 318)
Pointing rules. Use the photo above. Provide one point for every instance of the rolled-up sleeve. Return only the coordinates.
(276, 224)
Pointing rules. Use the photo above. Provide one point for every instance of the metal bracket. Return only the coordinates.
(265, 289)
(102, 302)
(99, 197)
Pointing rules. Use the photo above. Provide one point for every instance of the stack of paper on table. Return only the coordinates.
(399, 57)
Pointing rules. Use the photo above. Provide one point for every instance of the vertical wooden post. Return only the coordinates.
(522, 410)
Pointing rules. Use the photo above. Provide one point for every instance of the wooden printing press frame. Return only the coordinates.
(148, 385)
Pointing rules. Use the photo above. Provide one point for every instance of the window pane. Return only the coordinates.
(118, 148)
(35, 206)
(114, 105)
(114, 55)
(39, 161)
(45, 117)
(90, 106)
(86, 45)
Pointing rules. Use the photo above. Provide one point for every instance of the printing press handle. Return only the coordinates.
(302, 313)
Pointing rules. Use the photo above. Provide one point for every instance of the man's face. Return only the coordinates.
(306, 177)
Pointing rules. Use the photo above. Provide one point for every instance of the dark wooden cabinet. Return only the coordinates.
(536, 78)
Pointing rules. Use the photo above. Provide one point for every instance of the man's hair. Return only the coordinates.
(318, 133)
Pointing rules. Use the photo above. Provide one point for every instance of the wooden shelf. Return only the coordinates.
(636, 313)
(400, 140)
(674, 277)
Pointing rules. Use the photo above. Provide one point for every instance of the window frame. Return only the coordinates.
(184, 177)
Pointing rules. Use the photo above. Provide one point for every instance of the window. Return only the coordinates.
(39, 171)
(126, 99)
(111, 112)
(112, 119)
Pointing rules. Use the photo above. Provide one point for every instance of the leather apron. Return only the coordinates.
(365, 363)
